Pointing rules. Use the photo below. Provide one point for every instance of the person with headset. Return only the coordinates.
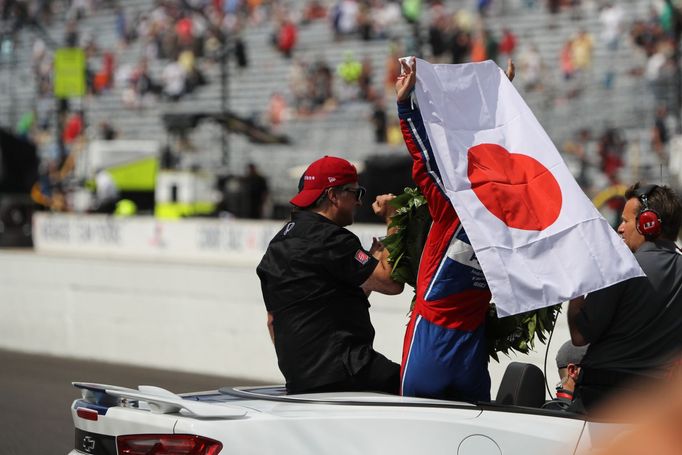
(634, 327)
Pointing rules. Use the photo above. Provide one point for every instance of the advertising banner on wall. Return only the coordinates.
(191, 239)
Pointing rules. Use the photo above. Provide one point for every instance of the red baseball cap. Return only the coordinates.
(322, 174)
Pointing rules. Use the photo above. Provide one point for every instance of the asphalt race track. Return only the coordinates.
(36, 393)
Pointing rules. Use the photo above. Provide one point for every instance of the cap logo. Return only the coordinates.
(309, 177)
(332, 179)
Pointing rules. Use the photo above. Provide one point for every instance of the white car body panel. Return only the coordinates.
(329, 430)
(334, 423)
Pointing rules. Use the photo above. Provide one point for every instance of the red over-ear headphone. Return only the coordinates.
(648, 221)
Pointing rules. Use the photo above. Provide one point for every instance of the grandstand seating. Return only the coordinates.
(347, 131)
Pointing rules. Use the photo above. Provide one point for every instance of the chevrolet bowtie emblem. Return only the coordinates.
(88, 444)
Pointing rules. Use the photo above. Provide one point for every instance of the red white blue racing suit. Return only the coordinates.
(445, 353)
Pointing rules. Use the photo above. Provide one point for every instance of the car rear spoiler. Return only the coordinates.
(160, 401)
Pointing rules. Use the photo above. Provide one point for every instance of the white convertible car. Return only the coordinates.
(113, 420)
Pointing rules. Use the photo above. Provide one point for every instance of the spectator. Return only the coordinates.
(365, 23)
(385, 14)
(392, 66)
(26, 124)
(173, 81)
(142, 80)
(484, 46)
(121, 27)
(106, 193)
(71, 34)
(287, 36)
(660, 134)
(240, 52)
(438, 36)
(73, 129)
(300, 87)
(507, 44)
(660, 70)
(553, 6)
(90, 47)
(671, 20)
(44, 112)
(566, 60)
(575, 6)
(107, 132)
(345, 18)
(256, 190)
(483, 7)
(277, 110)
(532, 68)
(611, 147)
(256, 11)
(104, 79)
(314, 10)
(321, 83)
(194, 77)
(412, 41)
(38, 55)
(611, 19)
(412, 11)
(365, 80)
(200, 30)
(460, 46)
(380, 121)
(579, 157)
(184, 30)
(349, 70)
(582, 49)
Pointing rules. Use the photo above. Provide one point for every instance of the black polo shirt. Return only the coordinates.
(310, 277)
(636, 326)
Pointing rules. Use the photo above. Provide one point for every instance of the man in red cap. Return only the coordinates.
(316, 276)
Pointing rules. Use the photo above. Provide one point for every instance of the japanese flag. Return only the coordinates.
(538, 238)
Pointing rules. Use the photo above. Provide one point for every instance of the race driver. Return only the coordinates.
(445, 352)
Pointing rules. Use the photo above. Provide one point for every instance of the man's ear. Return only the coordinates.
(332, 196)
(573, 371)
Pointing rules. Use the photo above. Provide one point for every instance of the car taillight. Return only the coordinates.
(87, 414)
(166, 444)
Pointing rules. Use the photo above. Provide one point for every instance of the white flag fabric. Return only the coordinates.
(538, 238)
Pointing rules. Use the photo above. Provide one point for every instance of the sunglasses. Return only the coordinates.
(359, 192)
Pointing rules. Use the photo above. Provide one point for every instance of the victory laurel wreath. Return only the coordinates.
(511, 333)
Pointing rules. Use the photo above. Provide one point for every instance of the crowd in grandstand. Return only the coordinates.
(182, 40)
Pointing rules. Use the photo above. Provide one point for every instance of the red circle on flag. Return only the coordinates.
(516, 188)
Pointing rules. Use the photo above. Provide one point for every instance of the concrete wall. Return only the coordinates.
(188, 317)
(207, 319)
